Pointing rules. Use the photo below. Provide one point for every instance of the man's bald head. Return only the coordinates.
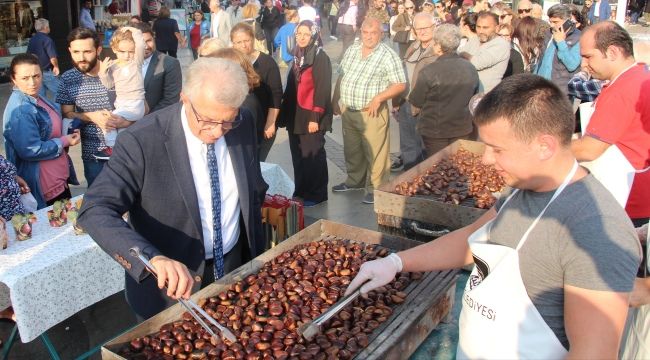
(609, 33)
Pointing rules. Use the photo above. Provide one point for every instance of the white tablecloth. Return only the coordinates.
(53, 275)
(279, 182)
(56, 273)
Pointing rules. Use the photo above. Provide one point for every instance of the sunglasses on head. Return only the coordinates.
(521, 11)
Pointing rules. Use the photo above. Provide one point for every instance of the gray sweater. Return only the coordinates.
(491, 62)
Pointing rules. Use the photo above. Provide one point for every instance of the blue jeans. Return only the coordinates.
(50, 85)
(92, 168)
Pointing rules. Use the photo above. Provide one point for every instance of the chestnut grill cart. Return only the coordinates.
(423, 217)
(428, 300)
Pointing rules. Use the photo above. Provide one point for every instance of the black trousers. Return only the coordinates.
(309, 166)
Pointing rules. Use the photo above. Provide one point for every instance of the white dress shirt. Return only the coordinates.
(145, 66)
(230, 209)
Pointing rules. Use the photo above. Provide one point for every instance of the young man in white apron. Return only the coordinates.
(555, 258)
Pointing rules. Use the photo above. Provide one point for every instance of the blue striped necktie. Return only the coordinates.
(217, 241)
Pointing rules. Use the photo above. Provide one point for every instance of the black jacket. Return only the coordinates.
(149, 176)
(162, 82)
(270, 19)
(442, 92)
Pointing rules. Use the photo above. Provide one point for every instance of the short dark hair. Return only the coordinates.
(470, 20)
(82, 33)
(559, 11)
(485, 13)
(137, 17)
(145, 28)
(21, 59)
(610, 33)
(531, 105)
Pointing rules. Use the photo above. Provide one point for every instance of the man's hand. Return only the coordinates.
(312, 127)
(336, 108)
(380, 272)
(395, 113)
(175, 274)
(640, 294)
(104, 65)
(558, 34)
(24, 187)
(101, 118)
(373, 106)
(56, 71)
(269, 131)
(118, 122)
(74, 138)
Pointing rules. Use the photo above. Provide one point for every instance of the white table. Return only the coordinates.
(56, 273)
(53, 275)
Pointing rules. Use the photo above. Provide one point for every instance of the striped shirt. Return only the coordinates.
(362, 79)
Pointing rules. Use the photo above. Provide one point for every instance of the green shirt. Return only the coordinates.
(362, 79)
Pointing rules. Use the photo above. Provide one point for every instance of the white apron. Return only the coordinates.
(498, 320)
(612, 168)
(636, 336)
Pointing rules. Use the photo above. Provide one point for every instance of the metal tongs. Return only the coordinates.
(310, 329)
(190, 305)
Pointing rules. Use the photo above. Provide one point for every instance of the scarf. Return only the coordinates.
(304, 57)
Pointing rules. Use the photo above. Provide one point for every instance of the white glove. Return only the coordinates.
(380, 272)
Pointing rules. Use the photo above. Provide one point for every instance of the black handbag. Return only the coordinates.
(401, 37)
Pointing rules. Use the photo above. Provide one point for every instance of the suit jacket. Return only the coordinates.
(223, 26)
(162, 82)
(149, 176)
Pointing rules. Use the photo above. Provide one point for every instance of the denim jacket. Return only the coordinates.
(27, 131)
(205, 30)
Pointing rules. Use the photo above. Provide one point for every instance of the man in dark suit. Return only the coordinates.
(162, 74)
(190, 179)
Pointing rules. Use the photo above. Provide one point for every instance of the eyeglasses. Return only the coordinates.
(521, 11)
(409, 8)
(423, 28)
(212, 123)
(503, 16)
(505, 35)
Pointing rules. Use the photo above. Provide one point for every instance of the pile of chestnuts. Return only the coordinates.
(457, 180)
(266, 309)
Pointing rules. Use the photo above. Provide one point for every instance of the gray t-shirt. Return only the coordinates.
(584, 239)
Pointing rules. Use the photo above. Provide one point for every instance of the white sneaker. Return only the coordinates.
(333, 37)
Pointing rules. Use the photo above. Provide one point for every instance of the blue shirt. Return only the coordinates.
(282, 38)
(86, 20)
(42, 46)
(86, 93)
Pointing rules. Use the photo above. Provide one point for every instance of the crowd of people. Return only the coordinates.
(541, 94)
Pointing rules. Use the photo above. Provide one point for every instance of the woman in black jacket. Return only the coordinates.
(307, 113)
(270, 19)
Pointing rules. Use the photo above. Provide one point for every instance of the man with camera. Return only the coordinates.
(561, 59)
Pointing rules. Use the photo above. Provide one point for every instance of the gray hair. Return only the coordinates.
(223, 79)
(370, 22)
(559, 11)
(41, 24)
(447, 36)
(424, 16)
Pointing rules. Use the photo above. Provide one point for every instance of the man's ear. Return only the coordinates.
(548, 145)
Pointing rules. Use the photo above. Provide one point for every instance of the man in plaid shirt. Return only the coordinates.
(371, 73)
